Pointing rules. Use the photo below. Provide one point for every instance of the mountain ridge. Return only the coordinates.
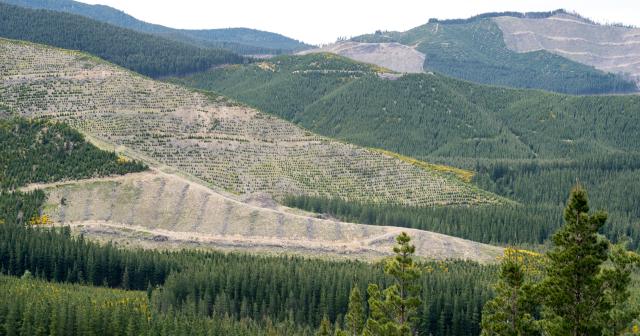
(477, 49)
(241, 40)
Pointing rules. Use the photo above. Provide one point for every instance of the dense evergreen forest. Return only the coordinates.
(243, 41)
(44, 151)
(529, 146)
(147, 54)
(531, 221)
(474, 50)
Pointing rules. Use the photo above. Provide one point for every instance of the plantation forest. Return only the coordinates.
(165, 181)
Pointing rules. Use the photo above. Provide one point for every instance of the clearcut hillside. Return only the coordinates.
(230, 146)
(610, 48)
(160, 210)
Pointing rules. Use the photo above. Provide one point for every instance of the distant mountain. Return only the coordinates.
(240, 40)
(144, 53)
(481, 49)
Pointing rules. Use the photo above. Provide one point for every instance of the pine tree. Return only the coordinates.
(393, 310)
(511, 312)
(355, 317)
(574, 288)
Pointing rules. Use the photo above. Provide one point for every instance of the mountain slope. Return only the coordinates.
(428, 114)
(530, 146)
(475, 50)
(239, 40)
(231, 146)
(143, 53)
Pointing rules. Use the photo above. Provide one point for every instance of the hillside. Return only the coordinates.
(428, 114)
(475, 50)
(515, 140)
(147, 54)
(159, 210)
(234, 147)
(240, 40)
(614, 49)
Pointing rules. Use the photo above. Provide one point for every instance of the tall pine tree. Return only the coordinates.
(393, 311)
(573, 290)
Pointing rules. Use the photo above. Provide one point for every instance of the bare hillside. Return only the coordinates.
(393, 56)
(608, 48)
(232, 147)
(163, 210)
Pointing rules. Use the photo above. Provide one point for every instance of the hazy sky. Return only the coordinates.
(323, 21)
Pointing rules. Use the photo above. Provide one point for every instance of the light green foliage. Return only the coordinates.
(232, 147)
(618, 279)
(325, 327)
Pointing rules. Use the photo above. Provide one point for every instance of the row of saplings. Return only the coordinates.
(580, 287)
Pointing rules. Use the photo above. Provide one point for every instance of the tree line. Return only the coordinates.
(46, 151)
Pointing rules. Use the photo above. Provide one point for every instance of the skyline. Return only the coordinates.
(334, 19)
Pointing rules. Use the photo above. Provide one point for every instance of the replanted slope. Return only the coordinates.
(230, 146)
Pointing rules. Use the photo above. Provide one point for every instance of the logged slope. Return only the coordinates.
(614, 49)
(147, 54)
(239, 40)
(430, 115)
(474, 50)
(232, 147)
(158, 209)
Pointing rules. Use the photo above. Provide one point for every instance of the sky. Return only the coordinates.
(319, 22)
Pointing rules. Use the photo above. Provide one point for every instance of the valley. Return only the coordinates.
(470, 176)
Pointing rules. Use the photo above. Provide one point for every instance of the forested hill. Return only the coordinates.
(144, 53)
(240, 40)
(429, 114)
(475, 50)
